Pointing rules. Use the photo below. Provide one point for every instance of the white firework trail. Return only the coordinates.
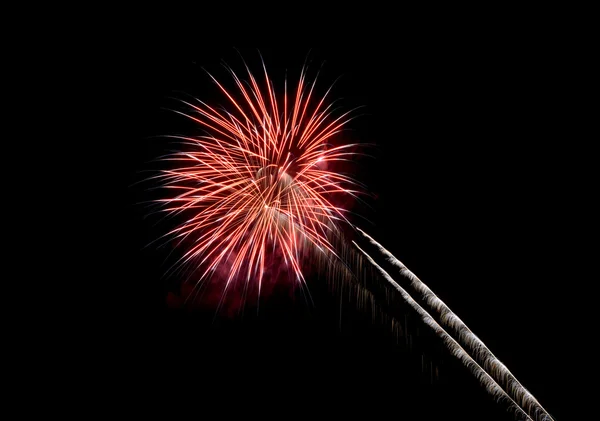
(490, 385)
(482, 354)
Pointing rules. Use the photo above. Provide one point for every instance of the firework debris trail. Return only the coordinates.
(454, 347)
(498, 371)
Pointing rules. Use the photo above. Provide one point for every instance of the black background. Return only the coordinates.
(470, 192)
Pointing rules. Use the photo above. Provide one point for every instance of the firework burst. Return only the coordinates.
(257, 182)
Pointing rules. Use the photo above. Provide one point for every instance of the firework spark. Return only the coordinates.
(257, 181)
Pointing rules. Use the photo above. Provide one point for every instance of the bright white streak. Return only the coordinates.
(483, 355)
(454, 347)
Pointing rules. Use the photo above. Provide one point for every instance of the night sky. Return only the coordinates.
(463, 177)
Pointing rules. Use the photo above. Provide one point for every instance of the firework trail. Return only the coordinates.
(483, 355)
(454, 347)
(257, 182)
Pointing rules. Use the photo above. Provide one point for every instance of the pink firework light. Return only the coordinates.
(258, 181)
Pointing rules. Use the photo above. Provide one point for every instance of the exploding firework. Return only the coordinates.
(258, 183)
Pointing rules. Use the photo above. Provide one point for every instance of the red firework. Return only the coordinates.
(258, 182)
